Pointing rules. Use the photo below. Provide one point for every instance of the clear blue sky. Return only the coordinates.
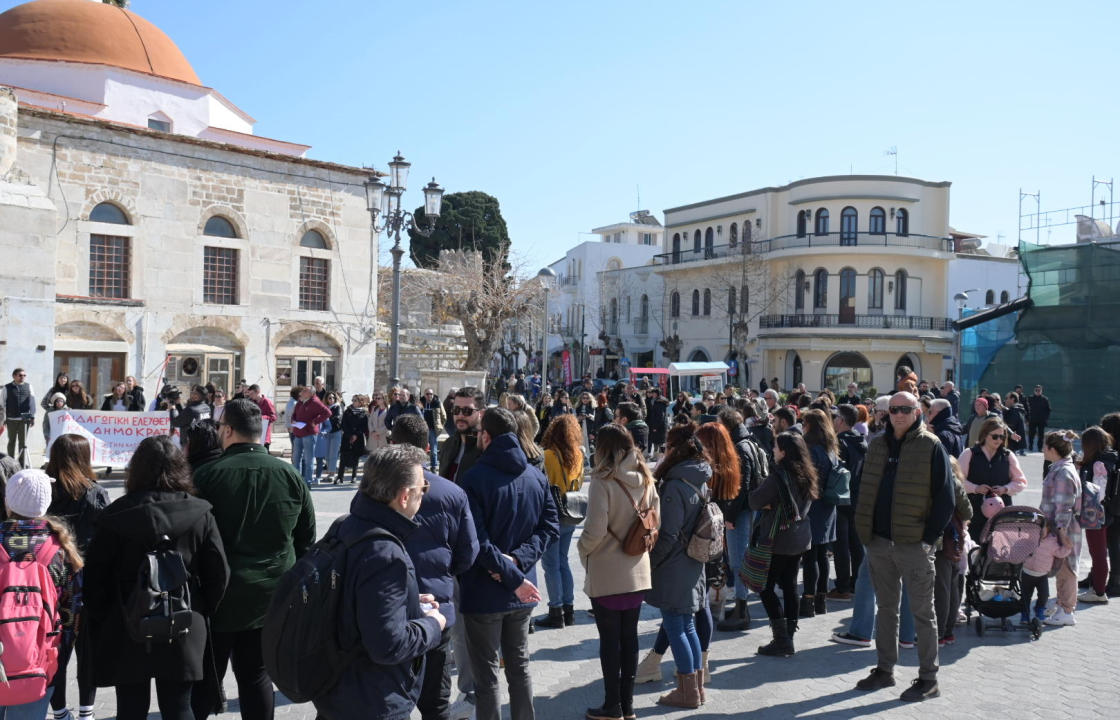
(563, 110)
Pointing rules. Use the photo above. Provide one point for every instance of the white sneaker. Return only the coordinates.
(461, 709)
(1061, 617)
(1092, 597)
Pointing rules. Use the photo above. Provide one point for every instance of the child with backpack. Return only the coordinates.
(156, 569)
(37, 552)
(1037, 569)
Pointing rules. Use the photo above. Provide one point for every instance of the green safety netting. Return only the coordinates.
(1068, 340)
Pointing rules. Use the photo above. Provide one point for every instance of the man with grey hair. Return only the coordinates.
(946, 427)
(771, 398)
(949, 392)
(906, 498)
(382, 607)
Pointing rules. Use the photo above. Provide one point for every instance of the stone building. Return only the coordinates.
(146, 231)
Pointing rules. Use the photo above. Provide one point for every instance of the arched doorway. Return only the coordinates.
(692, 384)
(793, 369)
(301, 357)
(205, 355)
(911, 361)
(843, 368)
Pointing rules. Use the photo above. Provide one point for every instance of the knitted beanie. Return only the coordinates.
(29, 493)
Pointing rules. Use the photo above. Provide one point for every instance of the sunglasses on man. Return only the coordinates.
(465, 411)
(902, 409)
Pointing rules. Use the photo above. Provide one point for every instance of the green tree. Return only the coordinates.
(468, 221)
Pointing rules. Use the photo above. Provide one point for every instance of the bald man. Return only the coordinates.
(906, 498)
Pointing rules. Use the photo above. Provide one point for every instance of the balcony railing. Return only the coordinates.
(809, 240)
(569, 280)
(865, 322)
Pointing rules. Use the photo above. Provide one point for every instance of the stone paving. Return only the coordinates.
(1068, 673)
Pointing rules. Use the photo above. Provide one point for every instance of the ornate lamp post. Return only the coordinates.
(546, 276)
(385, 200)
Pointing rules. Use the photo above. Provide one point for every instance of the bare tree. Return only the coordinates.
(482, 296)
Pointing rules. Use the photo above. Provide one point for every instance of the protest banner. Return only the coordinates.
(113, 436)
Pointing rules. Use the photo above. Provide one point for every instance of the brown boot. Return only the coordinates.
(686, 694)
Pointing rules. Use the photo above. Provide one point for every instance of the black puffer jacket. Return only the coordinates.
(126, 531)
(949, 431)
(81, 514)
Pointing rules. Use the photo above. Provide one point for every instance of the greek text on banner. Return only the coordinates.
(113, 436)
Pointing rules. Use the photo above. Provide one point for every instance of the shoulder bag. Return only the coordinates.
(642, 535)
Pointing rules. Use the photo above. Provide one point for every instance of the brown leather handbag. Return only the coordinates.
(642, 535)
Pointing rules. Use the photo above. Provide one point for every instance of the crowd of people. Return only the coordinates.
(691, 507)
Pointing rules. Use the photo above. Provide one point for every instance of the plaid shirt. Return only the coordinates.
(1061, 492)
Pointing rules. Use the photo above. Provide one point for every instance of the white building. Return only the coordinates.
(587, 310)
(144, 223)
(822, 281)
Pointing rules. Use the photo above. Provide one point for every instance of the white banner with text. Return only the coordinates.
(113, 436)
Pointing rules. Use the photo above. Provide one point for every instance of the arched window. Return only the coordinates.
(901, 222)
(1004, 297)
(877, 221)
(695, 303)
(110, 256)
(744, 300)
(822, 222)
(676, 248)
(799, 290)
(218, 226)
(732, 304)
(709, 243)
(733, 235)
(108, 213)
(844, 368)
(802, 223)
(313, 239)
(696, 241)
(675, 304)
(849, 226)
(820, 289)
(847, 291)
(875, 289)
(643, 317)
(990, 297)
(900, 290)
(707, 302)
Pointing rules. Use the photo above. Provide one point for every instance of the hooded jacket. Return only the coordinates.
(949, 431)
(513, 515)
(610, 514)
(678, 580)
(380, 608)
(126, 531)
(445, 544)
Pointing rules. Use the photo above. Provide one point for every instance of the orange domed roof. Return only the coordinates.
(91, 32)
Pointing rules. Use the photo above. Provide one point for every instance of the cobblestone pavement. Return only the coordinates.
(999, 675)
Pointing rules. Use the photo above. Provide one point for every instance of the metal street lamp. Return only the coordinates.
(547, 276)
(385, 201)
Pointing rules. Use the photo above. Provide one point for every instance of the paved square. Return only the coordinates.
(1068, 673)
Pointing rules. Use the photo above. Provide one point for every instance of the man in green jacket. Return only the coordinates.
(906, 498)
(267, 520)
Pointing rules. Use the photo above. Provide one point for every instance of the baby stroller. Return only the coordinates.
(992, 587)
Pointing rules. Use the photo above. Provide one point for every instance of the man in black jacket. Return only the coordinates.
(657, 417)
(460, 450)
(1038, 414)
(629, 416)
(381, 602)
(444, 546)
(847, 550)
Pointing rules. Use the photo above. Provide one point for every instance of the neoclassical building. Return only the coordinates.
(821, 281)
(146, 231)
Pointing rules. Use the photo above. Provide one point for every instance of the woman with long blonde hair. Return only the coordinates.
(563, 465)
(622, 486)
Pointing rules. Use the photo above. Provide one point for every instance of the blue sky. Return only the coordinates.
(563, 110)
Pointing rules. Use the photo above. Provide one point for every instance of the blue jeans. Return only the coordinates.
(684, 641)
(334, 446)
(433, 448)
(557, 573)
(737, 541)
(863, 610)
(36, 710)
(303, 456)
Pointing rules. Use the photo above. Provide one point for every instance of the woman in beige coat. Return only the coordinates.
(616, 582)
(378, 434)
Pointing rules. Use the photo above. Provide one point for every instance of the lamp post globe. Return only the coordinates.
(546, 275)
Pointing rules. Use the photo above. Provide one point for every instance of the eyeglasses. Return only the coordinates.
(996, 436)
(902, 409)
(465, 411)
(424, 487)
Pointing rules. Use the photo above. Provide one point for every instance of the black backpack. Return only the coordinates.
(158, 611)
(303, 651)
